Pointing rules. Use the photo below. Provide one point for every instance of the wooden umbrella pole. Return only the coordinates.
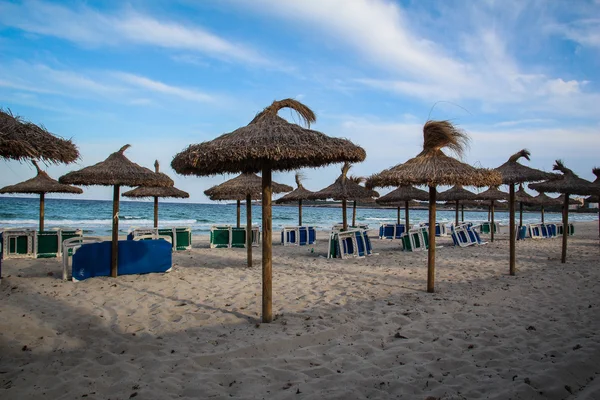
(542, 214)
(249, 226)
(407, 227)
(492, 227)
(354, 213)
(398, 218)
(238, 212)
(344, 216)
(462, 212)
(42, 195)
(267, 306)
(457, 209)
(511, 228)
(300, 212)
(155, 211)
(520, 214)
(489, 212)
(431, 254)
(565, 218)
(115, 234)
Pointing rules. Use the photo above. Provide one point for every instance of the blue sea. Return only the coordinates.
(94, 216)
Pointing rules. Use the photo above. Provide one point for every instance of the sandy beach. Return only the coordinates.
(344, 329)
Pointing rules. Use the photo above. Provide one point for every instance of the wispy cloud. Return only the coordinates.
(471, 55)
(112, 86)
(160, 87)
(86, 26)
(584, 31)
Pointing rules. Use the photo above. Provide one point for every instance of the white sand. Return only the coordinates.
(345, 329)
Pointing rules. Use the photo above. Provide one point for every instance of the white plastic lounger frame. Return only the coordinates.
(413, 234)
(74, 244)
(535, 231)
(341, 236)
(10, 236)
(286, 230)
(255, 234)
(339, 227)
(462, 238)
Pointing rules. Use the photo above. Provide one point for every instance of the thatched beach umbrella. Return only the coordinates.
(268, 143)
(298, 194)
(156, 193)
(513, 173)
(403, 194)
(492, 195)
(116, 171)
(245, 186)
(22, 140)
(572, 202)
(568, 183)
(432, 167)
(358, 180)
(542, 200)
(456, 194)
(41, 184)
(344, 189)
(523, 198)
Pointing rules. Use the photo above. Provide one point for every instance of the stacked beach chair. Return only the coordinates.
(180, 237)
(227, 236)
(416, 239)
(440, 228)
(391, 231)
(547, 231)
(298, 235)
(30, 243)
(485, 227)
(351, 243)
(466, 235)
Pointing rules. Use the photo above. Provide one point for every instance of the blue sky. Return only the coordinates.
(161, 75)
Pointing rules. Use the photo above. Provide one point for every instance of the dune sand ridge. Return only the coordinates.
(345, 329)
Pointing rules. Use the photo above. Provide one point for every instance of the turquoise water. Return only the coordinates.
(94, 216)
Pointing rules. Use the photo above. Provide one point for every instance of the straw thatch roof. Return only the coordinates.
(432, 167)
(241, 186)
(268, 141)
(479, 203)
(403, 193)
(344, 189)
(42, 183)
(492, 194)
(595, 199)
(20, 140)
(300, 193)
(514, 172)
(522, 196)
(167, 191)
(561, 199)
(543, 200)
(456, 193)
(568, 182)
(116, 170)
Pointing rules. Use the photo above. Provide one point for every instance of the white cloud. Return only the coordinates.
(465, 55)
(114, 86)
(88, 27)
(585, 31)
(160, 87)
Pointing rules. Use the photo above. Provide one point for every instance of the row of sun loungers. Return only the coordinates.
(149, 249)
